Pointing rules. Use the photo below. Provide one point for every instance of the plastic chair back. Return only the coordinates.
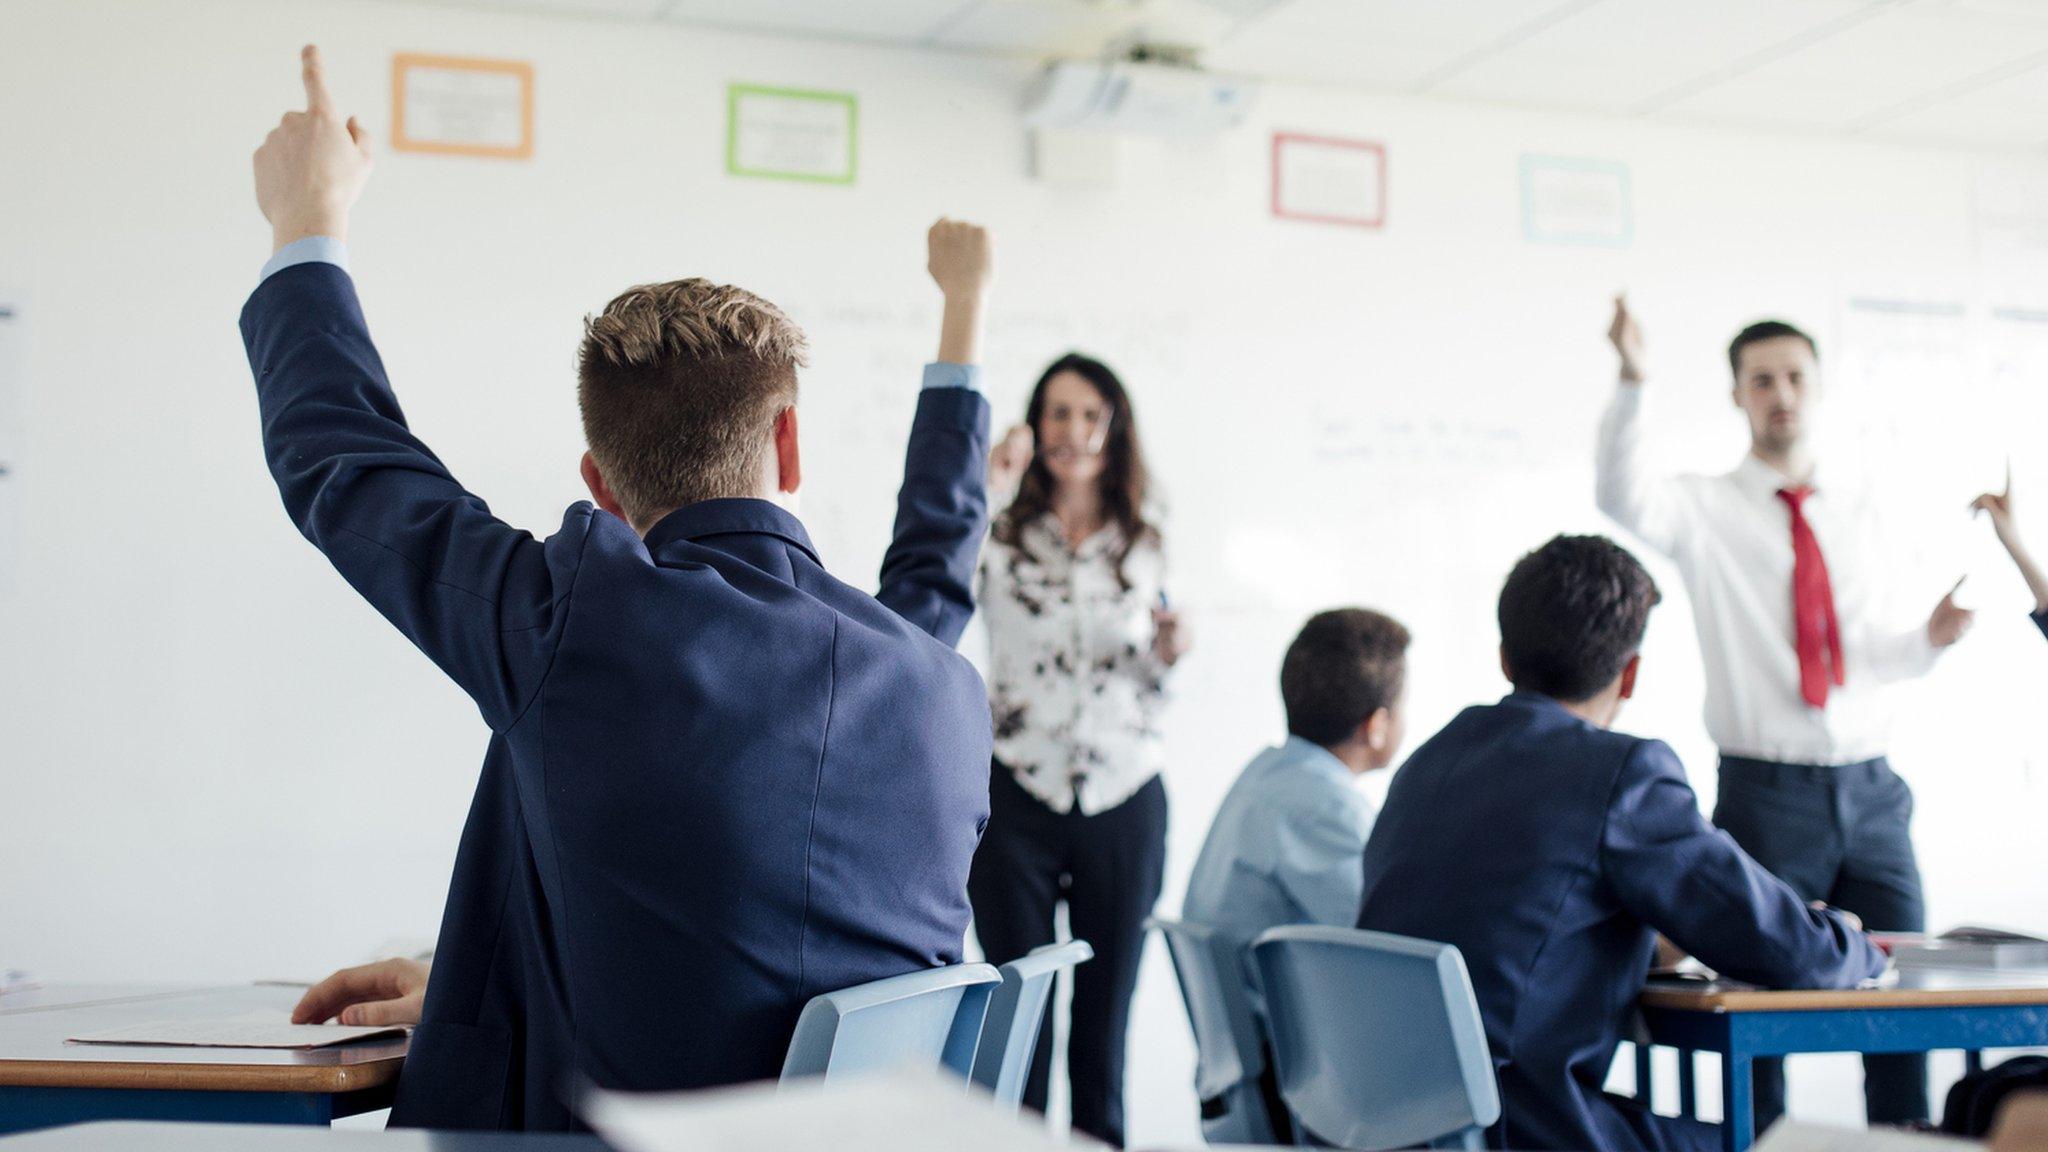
(929, 1019)
(1003, 1061)
(1229, 1049)
(1377, 1039)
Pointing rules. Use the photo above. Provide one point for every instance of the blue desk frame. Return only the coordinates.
(25, 1108)
(1742, 1036)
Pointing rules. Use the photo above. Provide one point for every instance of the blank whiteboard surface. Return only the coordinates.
(468, 107)
(1331, 181)
(11, 437)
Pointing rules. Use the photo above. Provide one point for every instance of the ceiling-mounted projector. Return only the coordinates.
(1164, 99)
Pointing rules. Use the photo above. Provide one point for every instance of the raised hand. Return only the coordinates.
(1999, 506)
(960, 261)
(1627, 337)
(387, 992)
(312, 166)
(1007, 462)
(1949, 622)
(960, 258)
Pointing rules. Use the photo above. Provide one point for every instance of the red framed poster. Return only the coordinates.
(1329, 180)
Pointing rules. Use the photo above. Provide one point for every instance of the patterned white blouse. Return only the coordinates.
(1074, 686)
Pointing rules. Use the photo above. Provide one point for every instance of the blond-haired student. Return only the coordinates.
(706, 753)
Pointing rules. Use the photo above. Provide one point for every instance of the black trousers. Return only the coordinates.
(1840, 835)
(1108, 868)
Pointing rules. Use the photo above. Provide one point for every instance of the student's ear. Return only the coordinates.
(1377, 729)
(1506, 672)
(1628, 676)
(789, 469)
(601, 492)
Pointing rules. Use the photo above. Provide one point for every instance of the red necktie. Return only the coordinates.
(1815, 632)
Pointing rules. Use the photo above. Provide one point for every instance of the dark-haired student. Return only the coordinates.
(1789, 575)
(1284, 846)
(701, 804)
(1551, 850)
(1998, 505)
(1081, 642)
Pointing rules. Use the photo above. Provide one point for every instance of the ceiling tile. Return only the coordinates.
(1040, 27)
(2012, 113)
(1368, 43)
(887, 21)
(1842, 81)
(1614, 56)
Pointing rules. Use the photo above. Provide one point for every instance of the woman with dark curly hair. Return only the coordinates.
(1081, 638)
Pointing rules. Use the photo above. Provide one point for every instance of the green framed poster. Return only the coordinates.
(791, 134)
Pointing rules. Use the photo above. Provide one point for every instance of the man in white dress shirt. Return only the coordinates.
(1785, 565)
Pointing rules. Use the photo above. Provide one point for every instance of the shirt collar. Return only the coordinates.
(1760, 479)
(1297, 752)
(1046, 529)
(744, 516)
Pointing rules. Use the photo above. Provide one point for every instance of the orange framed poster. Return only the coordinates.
(461, 106)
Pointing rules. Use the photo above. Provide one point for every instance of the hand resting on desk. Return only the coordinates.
(384, 993)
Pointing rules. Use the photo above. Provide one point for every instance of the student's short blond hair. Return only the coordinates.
(679, 384)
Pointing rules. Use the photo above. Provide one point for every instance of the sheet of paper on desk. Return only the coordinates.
(1791, 1136)
(896, 1112)
(235, 1034)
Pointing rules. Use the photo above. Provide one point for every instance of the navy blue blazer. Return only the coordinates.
(1551, 852)
(719, 780)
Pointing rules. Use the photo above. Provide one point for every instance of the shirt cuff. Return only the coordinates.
(944, 375)
(309, 250)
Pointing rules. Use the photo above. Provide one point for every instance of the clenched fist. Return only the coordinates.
(960, 259)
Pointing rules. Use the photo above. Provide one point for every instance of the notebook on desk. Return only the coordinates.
(236, 1034)
(1966, 947)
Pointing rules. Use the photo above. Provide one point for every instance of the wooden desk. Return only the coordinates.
(1929, 1009)
(128, 1136)
(45, 1081)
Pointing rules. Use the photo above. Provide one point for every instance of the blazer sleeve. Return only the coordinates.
(1685, 878)
(928, 572)
(472, 592)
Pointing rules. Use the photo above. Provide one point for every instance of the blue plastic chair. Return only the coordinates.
(1229, 1053)
(929, 1019)
(1003, 1061)
(1377, 1039)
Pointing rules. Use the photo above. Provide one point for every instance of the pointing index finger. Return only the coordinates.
(317, 98)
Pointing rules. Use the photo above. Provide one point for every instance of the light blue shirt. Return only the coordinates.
(1286, 847)
(328, 250)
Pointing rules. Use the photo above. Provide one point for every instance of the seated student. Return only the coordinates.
(707, 754)
(1999, 505)
(1284, 846)
(1551, 851)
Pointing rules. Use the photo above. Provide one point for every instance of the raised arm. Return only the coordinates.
(1678, 874)
(942, 509)
(472, 592)
(1626, 487)
(1998, 505)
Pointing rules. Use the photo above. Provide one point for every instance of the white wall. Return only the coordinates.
(216, 764)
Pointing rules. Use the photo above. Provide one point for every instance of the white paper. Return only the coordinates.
(1793, 1136)
(801, 136)
(234, 1033)
(464, 107)
(1329, 181)
(898, 1112)
(1575, 202)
